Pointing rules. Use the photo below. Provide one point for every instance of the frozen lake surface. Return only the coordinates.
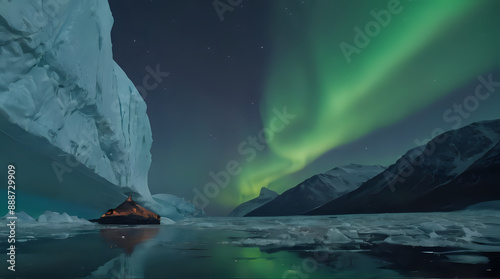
(456, 244)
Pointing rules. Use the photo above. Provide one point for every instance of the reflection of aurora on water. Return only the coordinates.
(348, 246)
(463, 243)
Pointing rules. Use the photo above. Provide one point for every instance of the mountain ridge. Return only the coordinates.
(317, 190)
(444, 161)
(266, 195)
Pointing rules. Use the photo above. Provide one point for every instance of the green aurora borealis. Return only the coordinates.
(356, 100)
(426, 51)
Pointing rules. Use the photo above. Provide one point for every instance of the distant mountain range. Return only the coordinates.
(452, 171)
(318, 190)
(264, 197)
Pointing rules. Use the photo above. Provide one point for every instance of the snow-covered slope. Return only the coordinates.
(318, 190)
(452, 171)
(348, 178)
(264, 197)
(489, 205)
(60, 85)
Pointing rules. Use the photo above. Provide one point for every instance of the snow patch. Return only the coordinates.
(166, 221)
(22, 217)
(57, 218)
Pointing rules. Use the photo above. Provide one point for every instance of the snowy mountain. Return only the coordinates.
(264, 197)
(452, 171)
(318, 190)
(62, 95)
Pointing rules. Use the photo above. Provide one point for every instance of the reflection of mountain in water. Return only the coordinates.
(128, 238)
(126, 265)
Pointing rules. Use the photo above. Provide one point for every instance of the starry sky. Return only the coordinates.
(250, 94)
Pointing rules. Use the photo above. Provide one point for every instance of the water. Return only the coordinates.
(463, 244)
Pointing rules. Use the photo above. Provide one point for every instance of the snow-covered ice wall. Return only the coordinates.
(59, 83)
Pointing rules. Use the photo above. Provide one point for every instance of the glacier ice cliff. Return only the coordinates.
(60, 89)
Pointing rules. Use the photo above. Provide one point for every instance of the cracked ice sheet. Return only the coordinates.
(48, 225)
(472, 230)
(468, 230)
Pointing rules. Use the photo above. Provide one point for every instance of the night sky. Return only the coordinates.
(325, 83)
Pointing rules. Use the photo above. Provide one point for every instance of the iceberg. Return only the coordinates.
(50, 217)
(21, 217)
(63, 97)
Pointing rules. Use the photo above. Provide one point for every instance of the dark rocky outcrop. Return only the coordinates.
(129, 213)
